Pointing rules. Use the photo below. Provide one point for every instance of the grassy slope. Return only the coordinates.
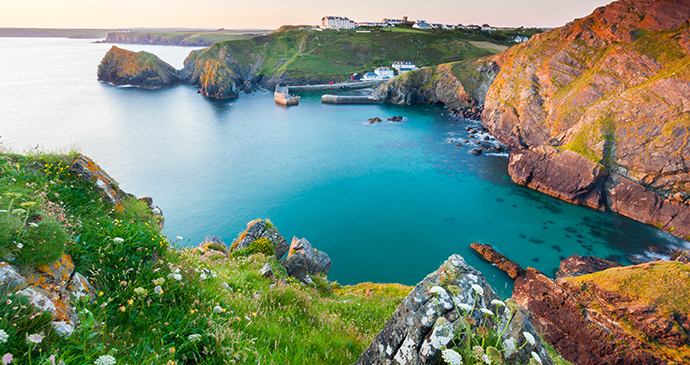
(299, 53)
(285, 324)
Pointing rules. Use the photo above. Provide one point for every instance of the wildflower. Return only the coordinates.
(478, 351)
(130, 302)
(177, 277)
(471, 321)
(158, 290)
(7, 358)
(118, 240)
(3, 335)
(486, 359)
(486, 311)
(451, 357)
(194, 337)
(464, 306)
(191, 311)
(32, 224)
(159, 281)
(478, 289)
(203, 276)
(494, 354)
(27, 205)
(122, 309)
(512, 303)
(140, 291)
(172, 350)
(529, 338)
(536, 357)
(218, 309)
(18, 211)
(436, 290)
(497, 302)
(36, 338)
(482, 331)
(20, 245)
(100, 293)
(105, 360)
(179, 238)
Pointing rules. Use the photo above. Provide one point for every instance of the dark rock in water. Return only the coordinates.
(466, 141)
(681, 255)
(500, 200)
(377, 119)
(522, 235)
(557, 248)
(501, 261)
(654, 249)
(304, 260)
(371, 121)
(476, 152)
(122, 67)
(571, 229)
(428, 319)
(471, 136)
(536, 240)
(486, 138)
(565, 175)
(535, 259)
(577, 265)
(395, 118)
(458, 144)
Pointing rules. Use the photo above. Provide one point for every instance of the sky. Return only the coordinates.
(271, 14)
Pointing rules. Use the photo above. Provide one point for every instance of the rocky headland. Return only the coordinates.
(122, 67)
(596, 111)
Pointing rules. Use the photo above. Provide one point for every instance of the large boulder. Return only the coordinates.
(10, 279)
(213, 243)
(437, 313)
(261, 228)
(303, 260)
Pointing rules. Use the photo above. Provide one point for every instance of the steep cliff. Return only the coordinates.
(123, 67)
(613, 87)
(622, 315)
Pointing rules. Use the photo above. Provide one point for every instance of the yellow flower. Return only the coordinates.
(191, 311)
(100, 293)
(129, 302)
(122, 309)
(172, 350)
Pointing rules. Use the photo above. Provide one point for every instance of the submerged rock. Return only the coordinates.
(435, 315)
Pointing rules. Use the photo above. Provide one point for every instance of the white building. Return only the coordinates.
(487, 27)
(336, 22)
(448, 27)
(370, 76)
(519, 39)
(385, 72)
(394, 21)
(404, 66)
(421, 24)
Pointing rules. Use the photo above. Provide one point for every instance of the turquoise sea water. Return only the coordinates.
(388, 202)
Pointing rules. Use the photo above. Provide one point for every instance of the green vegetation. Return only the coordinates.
(334, 55)
(180, 37)
(155, 304)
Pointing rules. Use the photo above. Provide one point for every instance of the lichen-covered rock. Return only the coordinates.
(40, 299)
(267, 271)
(213, 243)
(254, 231)
(436, 312)
(79, 287)
(90, 171)
(577, 265)
(303, 259)
(122, 67)
(10, 279)
(261, 228)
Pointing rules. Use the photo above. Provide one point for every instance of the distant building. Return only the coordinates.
(385, 73)
(336, 22)
(404, 66)
(449, 27)
(473, 26)
(519, 39)
(370, 24)
(487, 27)
(436, 25)
(421, 24)
(394, 21)
(369, 76)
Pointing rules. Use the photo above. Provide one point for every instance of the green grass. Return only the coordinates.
(219, 311)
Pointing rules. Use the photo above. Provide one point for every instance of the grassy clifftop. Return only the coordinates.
(301, 55)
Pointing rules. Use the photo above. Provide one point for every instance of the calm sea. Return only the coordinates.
(388, 202)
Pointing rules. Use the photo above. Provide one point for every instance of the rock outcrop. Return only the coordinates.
(622, 315)
(258, 229)
(122, 67)
(303, 260)
(513, 269)
(458, 84)
(435, 315)
(577, 265)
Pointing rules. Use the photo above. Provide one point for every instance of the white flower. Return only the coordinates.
(478, 289)
(194, 337)
(179, 238)
(20, 245)
(498, 303)
(451, 357)
(105, 360)
(177, 277)
(36, 338)
(436, 290)
(117, 240)
(529, 338)
(487, 312)
(217, 309)
(465, 307)
(203, 276)
(486, 359)
(158, 290)
(140, 291)
(536, 357)
(3, 336)
(32, 224)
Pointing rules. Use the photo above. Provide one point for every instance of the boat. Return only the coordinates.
(282, 96)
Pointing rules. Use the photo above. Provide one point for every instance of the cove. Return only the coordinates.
(388, 202)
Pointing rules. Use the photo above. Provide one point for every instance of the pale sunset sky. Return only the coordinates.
(270, 14)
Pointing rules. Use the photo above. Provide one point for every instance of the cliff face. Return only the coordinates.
(622, 315)
(123, 67)
(456, 84)
(613, 87)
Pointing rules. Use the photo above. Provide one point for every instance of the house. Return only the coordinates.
(436, 25)
(448, 27)
(404, 66)
(473, 26)
(370, 76)
(421, 24)
(385, 72)
(394, 21)
(336, 22)
(519, 39)
(487, 27)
